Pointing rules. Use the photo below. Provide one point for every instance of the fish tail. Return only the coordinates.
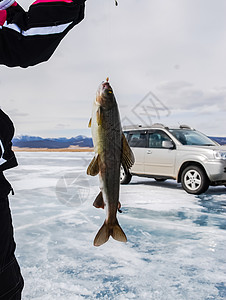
(108, 230)
(118, 234)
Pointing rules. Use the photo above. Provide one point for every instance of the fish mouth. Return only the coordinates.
(106, 87)
(104, 90)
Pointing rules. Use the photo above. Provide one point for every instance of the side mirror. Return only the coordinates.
(167, 144)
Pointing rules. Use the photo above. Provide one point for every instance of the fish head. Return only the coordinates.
(105, 96)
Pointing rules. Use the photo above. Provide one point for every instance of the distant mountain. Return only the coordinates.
(25, 141)
(219, 140)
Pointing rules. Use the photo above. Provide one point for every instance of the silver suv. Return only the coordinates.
(180, 153)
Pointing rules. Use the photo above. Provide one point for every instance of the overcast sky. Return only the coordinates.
(165, 59)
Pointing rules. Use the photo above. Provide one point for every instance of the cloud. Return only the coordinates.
(185, 95)
(61, 126)
(174, 86)
(16, 113)
(174, 49)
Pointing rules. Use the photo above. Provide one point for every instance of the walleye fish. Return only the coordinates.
(111, 150)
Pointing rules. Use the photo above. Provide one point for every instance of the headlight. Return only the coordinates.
(220, 155)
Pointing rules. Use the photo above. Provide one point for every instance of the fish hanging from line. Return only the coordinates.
(111, 150)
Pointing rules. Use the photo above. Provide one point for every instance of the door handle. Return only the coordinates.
(149, 152)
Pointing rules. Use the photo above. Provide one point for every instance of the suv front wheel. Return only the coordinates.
(125, 176)
(194, 180)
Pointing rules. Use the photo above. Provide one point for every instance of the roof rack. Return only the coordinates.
(155, 125)
(185, 127)
(158, 125)
(127, 127)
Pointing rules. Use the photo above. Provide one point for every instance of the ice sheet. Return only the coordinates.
(176, 242)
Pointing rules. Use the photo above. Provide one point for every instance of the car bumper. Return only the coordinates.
(216, 171)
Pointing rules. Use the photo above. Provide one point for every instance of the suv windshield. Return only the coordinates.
(191, 137)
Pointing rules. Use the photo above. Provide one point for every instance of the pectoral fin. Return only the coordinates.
(127, 154)
(99, 116)
(93, 168)
(90, 122)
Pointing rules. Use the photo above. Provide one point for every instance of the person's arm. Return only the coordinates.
(7, 156)
(29, 38)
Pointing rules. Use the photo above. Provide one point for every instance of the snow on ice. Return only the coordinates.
(176, 241)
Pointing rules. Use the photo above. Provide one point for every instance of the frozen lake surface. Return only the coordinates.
(176, 241)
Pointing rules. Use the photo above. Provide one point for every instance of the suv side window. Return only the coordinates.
(156, 138)
(138, 140)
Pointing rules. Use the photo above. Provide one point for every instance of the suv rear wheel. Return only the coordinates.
(194, 180)
(125, 176)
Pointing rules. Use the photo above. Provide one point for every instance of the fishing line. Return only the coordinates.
(110, 44)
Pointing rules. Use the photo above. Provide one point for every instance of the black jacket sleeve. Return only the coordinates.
(29, 38)
(7, 156)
